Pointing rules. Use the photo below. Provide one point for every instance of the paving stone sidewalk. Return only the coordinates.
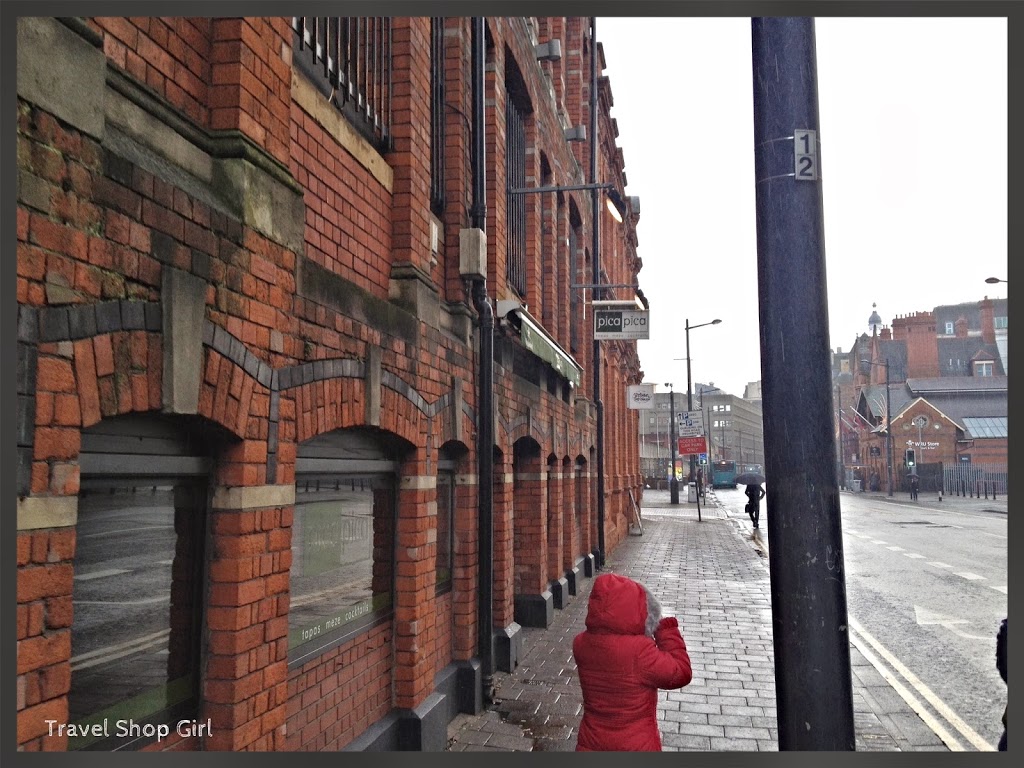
(713, 575)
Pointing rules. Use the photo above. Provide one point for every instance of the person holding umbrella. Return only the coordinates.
(754, 493)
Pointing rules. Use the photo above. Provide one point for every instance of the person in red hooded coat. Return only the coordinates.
(626, 654)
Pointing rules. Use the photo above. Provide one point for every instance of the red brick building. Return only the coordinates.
(947, 397)
(249, 506)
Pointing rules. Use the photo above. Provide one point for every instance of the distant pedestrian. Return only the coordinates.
(915, 485)
(1001, 666)
(755, 493)
(627, 652)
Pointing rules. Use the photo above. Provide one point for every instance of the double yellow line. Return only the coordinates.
(862, 639)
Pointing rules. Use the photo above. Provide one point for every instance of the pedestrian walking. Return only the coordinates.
(1001, 666)
(915, 485)
(755, 493)
(626, 654)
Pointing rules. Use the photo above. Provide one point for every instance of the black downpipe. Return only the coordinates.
(596, 279)
(809, 615)
(485, 401)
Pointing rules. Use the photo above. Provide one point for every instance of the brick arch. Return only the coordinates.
(340, 403)
(82, 381)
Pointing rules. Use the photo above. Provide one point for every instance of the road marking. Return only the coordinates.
(114, 651)
(913, 555)
(879, 541)
(937, 564)
(970, 576)
(119, 531)
(146, 601)
(99, 574)
(998, 589)
(896, 549)
(937, 728)
(965, 730)
(923, 616)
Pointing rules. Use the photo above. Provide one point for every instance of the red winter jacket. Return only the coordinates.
(621, 668)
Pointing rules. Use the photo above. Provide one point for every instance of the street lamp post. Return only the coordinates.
(689, 386)
(840, 473)
(888, 422)
(673, 483)
(706, 421)
(919, 422)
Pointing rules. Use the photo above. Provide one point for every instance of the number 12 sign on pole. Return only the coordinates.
(805, 154)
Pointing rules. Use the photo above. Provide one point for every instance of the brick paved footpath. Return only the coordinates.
(713, 575)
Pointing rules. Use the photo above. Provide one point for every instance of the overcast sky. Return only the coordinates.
(913, 138)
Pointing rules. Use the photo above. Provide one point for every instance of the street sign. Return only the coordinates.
(690, 424)
(694, 445)
(640, 397)
(805, 154)
(621, 324)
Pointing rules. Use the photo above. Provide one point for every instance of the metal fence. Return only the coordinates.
(977, 480)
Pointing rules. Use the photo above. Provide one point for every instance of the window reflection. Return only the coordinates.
(445, 516)
(342, 557)
(134, 641)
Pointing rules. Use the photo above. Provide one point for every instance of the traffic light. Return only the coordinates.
(910, 457)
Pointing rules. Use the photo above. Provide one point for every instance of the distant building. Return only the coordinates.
(948, 397)
(733, 427)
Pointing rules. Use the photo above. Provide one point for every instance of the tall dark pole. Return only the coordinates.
(839, 447)
(814, 693)
(673, 483)
(888, 427)
(689, 389)
(596, 277)
(485, 432)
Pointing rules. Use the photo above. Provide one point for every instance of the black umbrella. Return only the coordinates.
(749, 478)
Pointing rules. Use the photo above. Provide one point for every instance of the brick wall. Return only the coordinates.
(301, 243)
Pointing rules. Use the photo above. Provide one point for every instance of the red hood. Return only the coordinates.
(617, 605)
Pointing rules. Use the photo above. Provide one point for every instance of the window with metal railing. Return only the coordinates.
(349, 59)
(574, 296)
(437, 114)
(515, 168)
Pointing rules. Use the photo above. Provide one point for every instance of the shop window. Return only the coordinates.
(445, 529)
(342, 558)
(139, 580)
(343, 541)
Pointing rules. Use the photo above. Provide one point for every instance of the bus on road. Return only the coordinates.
(723, 474)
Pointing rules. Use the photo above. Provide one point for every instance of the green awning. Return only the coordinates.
(547, 349)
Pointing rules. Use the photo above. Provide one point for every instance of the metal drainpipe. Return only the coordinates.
(485, 412)
(596, 279)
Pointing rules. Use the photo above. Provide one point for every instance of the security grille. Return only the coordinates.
(437, 115)
(351, 56)
(515, 162)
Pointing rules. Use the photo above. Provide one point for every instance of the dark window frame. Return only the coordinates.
(438, 133)
(515, 170)
(443, 586)
(348, 470)
(116, 456)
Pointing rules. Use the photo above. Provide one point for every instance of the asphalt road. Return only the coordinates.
(926, 587)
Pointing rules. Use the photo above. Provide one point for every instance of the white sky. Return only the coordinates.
(913, 136)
